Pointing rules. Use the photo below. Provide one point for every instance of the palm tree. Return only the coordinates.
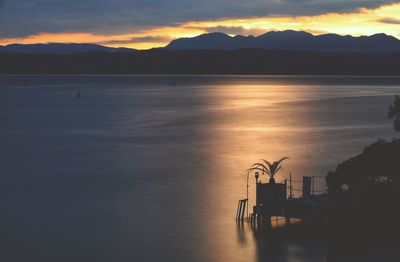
(268, 168)
(394, 113)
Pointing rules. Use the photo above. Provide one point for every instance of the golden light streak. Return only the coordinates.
(362, 22)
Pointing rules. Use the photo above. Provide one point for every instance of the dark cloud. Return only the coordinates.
(235, 30)
(26, 17)
(148, 39)
(389, 20)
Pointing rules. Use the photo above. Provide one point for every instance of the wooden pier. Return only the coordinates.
(278, 199)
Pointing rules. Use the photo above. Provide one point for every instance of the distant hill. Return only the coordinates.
(290, 40)
(62, 49)
(282, 40)
(233, 62)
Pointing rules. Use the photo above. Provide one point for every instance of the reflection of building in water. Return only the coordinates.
(285, 240)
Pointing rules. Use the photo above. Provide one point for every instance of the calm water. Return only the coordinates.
(140, 169)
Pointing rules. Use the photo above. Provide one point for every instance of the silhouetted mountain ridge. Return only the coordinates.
(60, 48)
(275, 40)
(290, 40)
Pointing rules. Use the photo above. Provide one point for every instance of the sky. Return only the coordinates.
(145, 24)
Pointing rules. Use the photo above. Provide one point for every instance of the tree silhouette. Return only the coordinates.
(394, 113)
(268, 168)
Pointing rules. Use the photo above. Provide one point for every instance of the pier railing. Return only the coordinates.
(307, 189)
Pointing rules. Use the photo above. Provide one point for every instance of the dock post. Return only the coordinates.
(247, 195)
(312, 179)
(306, 186)
(291, 190)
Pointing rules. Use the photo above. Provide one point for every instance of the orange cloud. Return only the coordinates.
(110, 40)
(363, 22)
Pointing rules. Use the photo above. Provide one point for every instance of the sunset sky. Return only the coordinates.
(144, 24)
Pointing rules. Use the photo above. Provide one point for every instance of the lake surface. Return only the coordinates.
(150, 168)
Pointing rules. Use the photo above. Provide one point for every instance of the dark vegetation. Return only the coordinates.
(366, 215)
(241, 61)
(394, 113)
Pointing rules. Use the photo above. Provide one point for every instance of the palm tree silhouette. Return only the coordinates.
(268, 168)
(394, 113)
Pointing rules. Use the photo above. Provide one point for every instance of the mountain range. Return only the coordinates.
(61, 49)
(290, 40)
(277, 40)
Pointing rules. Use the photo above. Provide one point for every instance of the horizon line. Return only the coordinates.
(207, 33)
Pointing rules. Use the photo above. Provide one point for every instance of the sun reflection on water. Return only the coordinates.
(252, 123)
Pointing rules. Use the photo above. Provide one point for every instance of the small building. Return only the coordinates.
(270, 200)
